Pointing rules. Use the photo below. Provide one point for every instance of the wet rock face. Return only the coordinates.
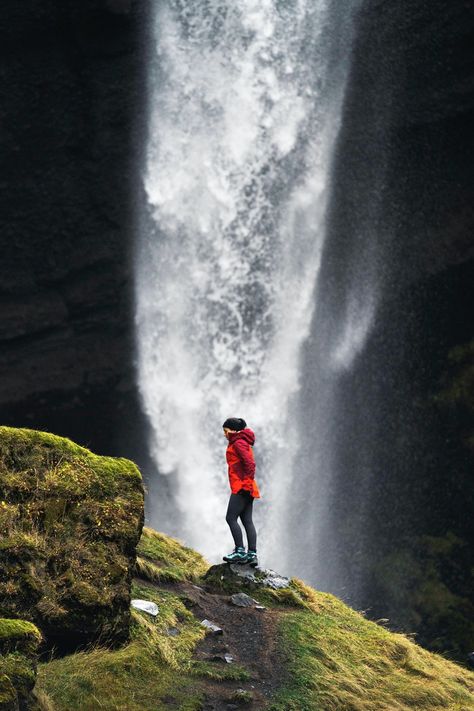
(71, 108)
(70, 522)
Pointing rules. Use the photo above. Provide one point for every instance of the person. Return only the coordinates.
(241, 469)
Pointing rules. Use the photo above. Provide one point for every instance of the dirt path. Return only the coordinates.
(249, 637)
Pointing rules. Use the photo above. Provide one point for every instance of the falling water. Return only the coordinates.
(244, 110)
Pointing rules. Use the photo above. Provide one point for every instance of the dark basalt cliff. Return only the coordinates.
(72, 104)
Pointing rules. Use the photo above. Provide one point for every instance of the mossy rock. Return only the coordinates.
(8, 694)
(19, 641)
(18, 636)
(70, 522)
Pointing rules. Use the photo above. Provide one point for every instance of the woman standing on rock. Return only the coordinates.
(241, 463)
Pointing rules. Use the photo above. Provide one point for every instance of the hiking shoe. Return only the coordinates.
(251, 558)
(238, 555)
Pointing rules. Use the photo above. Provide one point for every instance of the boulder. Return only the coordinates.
(19, 642)
(70, 522)
(229, 577)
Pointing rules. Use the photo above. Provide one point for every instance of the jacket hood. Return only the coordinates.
(246, 434)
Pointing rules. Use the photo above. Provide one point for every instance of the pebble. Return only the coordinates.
(212, 627)
(228, 658)
(243, 600)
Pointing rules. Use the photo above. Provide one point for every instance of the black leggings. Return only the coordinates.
(241, 505)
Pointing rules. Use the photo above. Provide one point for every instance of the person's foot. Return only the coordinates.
(238, 555)
(251, 558)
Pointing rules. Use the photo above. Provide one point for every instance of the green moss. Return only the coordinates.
(338, 660)
(20, 670)
(168, 559)
(73, 520)
(19, 642)
(8, 695)
(143, 675)
(18, 636)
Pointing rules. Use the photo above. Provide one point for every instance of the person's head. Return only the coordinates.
(233, 424)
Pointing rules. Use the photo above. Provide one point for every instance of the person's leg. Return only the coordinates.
(234, 510)
(246, 518)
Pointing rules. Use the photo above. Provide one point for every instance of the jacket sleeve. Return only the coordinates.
(248, 464)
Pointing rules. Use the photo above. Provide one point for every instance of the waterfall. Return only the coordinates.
(244, 111)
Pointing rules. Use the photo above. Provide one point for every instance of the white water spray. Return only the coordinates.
(244, 111)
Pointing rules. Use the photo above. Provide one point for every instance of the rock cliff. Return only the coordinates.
(72, 106)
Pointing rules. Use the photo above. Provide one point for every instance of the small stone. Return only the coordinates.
(274, 580)
(227, 658)
(145, 606)
(173, 631)
(243, 600)
(212, 627)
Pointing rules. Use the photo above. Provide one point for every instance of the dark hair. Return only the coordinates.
(235, 423)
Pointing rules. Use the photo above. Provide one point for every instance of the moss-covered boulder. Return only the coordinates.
(19, 642)
(70, 522)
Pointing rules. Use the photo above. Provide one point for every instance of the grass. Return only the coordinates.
(334, 659)
(141, 676)
(69, 524)
(339, 661)
(165, 559)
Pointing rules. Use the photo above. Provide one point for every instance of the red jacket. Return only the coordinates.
(241, 462)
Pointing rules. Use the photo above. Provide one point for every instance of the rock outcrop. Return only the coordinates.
(70, 522)
(19, 642)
